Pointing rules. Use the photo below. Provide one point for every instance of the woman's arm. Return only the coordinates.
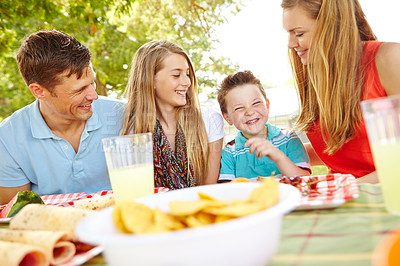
(314, 158)
(388, 64)
(371, 178)
(214, 162)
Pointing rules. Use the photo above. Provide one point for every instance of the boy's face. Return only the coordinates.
(248, 110)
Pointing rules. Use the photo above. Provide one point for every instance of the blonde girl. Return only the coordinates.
(163, 99)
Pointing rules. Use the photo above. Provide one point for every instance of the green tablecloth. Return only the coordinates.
(346, 235)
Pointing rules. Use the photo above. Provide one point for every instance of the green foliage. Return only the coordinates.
(13, 90)
(113, 30)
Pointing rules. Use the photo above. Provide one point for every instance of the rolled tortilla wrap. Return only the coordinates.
(53, 243)
(17, 254)
(49, 218)
(95, 203)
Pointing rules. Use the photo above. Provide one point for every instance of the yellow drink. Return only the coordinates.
(386, 158)
(132, 182)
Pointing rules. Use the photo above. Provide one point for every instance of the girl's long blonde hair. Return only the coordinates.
(330, 87)
(140, 114)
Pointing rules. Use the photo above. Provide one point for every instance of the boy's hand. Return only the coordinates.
(262, 147)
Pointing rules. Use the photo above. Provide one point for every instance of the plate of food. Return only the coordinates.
(44, 232)
(324, 191)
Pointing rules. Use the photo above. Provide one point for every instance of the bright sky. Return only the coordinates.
(255, 39)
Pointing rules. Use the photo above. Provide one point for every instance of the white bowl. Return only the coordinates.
(249, 240)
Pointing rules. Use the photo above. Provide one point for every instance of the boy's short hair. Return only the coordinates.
(234, 80)
(45, 55)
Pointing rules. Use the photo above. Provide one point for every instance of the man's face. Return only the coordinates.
(72, 98)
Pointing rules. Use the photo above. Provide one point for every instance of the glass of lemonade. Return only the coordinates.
(382, 120)
(130, 165)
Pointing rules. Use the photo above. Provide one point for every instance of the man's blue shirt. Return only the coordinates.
(31, 153)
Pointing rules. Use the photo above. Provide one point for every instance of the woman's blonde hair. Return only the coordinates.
(331, 86)
(140, 113)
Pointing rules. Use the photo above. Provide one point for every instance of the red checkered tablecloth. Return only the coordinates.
(67, 200)
(331, 191)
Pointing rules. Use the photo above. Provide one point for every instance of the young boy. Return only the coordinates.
(259, 149)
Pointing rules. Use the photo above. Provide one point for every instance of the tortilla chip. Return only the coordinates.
(223, 218)
(267, 194)
(236, 209)
(136, 217)
(183, 208)
(199, 219)
(204, 196)
(164, 222)
(116, 216)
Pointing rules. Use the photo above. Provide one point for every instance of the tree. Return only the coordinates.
(113, 30)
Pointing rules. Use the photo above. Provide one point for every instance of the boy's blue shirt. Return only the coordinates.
(238, 162)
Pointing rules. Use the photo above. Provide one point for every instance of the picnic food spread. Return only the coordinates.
(137, 218)
(38, 221)
(42, 234)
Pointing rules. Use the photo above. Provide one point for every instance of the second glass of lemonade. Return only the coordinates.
(130, 165)
(382, 120)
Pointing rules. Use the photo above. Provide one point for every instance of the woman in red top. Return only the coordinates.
(337, 63)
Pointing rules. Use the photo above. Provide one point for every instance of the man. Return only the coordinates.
(54, 145)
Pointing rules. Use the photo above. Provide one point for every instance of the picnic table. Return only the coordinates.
(346, 235)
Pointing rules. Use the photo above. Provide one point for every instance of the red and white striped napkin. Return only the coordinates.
(331, 191)
(67, 200)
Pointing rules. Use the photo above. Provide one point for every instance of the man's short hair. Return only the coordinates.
(46, 56)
